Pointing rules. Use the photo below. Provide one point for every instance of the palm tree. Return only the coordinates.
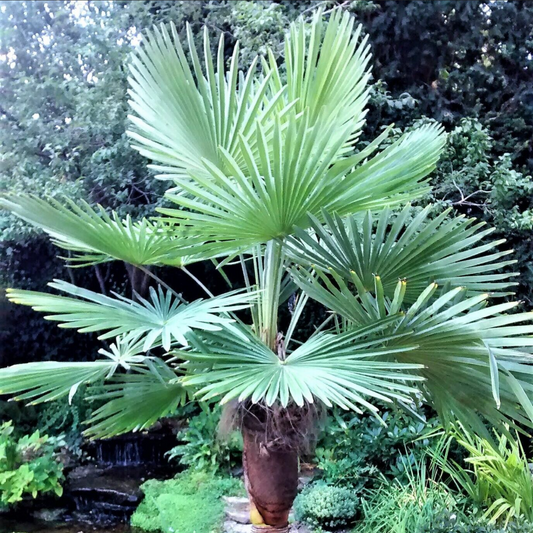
(265, 172)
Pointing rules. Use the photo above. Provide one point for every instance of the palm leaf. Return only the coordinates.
(272, 194)
(326, 71)
(97, 237)
(334, 369)
(244, 182)
(183, 115)
(160, 321)
(463, 349)
(266, 198)
(394, 176)
(409, 246)
(49, 380)
(134, 402)
(475, 360)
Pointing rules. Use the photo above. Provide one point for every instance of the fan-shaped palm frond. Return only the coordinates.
(97, 237)
(272, 195)
(244, 182)
(446, 251)
(476, 359)
(266, 198)
(49, 380)
(185, 115)
(395, 175)
(160, 321)
(335, 369)
(473, 357)
(326, 71)
(135, 402)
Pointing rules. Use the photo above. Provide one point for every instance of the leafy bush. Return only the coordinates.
(497, 476)
(472, 179)
(203, 449)
(64, 417)
(28, 465)
(325, 506)
(477, 179)
(356, 450)
(189, 502)
(465, 166)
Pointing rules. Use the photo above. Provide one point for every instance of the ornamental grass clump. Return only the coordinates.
(496, 474)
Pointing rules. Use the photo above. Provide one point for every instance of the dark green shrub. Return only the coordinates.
(325, 506)
(191, 502)
(357, 450)
(202, 448)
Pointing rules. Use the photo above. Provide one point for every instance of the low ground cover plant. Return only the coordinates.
(192, 501)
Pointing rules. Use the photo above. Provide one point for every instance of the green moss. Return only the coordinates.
(189, 503)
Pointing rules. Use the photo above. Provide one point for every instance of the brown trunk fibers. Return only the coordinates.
(271, 478)
(273, 438)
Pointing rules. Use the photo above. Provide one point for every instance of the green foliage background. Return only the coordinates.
(63, 114)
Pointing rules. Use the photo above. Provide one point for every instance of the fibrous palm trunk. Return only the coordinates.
(273, 437)
(271, 474)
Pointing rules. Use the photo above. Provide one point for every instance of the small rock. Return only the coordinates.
(241, 517)
(298, 527)
(234, 527)
(236, 501)
(303, 481)
(237, 509)
(48, 515)
(237, 471)
(82, 472)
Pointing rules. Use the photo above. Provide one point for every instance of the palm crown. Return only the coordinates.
(266, 170)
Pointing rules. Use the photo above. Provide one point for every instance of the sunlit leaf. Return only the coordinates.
(96, 237)
(161, 320)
